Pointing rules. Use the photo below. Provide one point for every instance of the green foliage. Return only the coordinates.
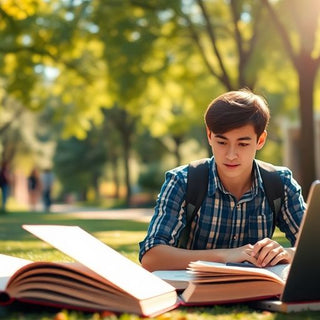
(129, 67)
(152, 177)
(148, 148)
(79, 163)
(127, 34)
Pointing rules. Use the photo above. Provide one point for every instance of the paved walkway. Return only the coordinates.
(138, 214)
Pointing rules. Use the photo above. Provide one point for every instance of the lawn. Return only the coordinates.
(123, 236)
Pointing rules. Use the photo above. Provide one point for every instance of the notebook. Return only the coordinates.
(302, 288)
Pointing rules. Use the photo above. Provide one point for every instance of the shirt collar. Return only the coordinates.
(215, 183)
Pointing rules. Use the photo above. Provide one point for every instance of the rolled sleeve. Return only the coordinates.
(169, 218)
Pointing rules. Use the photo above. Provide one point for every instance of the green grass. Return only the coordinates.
(123, 236)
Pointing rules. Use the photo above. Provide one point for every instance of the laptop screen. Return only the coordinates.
(303, 282)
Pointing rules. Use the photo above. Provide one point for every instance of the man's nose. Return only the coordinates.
(232, 153)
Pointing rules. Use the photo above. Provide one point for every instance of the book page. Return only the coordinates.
(281, 270)
(278, 272)
(230, 292)
(177, 278)
(176, 275)
(8, 266)
(45, 272)
(100, 258)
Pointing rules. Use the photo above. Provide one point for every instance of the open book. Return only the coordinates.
(101, 279)
(218, 283)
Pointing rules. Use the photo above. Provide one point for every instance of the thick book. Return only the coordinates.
(101, 279)
(218, 283)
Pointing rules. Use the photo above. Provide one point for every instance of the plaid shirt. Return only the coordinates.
(222, 221)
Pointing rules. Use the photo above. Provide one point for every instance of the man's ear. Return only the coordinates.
(262, 140)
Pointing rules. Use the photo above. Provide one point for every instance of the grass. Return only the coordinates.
(123, 236)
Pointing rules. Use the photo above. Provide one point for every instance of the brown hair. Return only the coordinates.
(236, 109)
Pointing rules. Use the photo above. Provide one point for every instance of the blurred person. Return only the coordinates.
(5, 183)
(34, 188)
(47, 179)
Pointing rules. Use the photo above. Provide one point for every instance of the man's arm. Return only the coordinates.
(264, 253)
(164, 257)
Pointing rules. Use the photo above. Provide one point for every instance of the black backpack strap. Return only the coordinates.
(197, 186)
(273, 187)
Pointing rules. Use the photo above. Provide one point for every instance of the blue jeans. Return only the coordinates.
(47, 199)
(5, 190)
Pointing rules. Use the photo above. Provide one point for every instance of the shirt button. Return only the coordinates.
(234, 237)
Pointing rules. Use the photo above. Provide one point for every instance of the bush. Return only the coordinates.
(151, 178)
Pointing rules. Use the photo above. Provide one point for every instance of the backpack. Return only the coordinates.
(197, 185)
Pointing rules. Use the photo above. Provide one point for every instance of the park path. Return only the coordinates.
(138, 214)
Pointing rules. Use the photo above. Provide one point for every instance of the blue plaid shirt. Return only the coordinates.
(222, 221)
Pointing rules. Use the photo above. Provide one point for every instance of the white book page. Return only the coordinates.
(279, 271)
(103, 260)
(8, 266)
(175, 275)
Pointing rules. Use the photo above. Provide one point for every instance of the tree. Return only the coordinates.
(79, 163)
(120, 129)
(226, 36)
(301, 48)
(127, 42)
(48, 49)
(229, 37)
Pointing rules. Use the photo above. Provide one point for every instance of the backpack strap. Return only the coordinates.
(197, 186)
(273, 187)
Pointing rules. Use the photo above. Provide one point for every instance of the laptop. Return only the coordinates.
(302, 288)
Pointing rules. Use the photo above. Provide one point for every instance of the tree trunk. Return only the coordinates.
(126, 158)
(177, 144)
(95, 184)
(115, 177)
(307, 72)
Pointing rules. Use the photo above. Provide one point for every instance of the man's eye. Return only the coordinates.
(221, 142)
(243, 144)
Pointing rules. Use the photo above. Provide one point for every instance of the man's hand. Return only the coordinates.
(240, 254)
(267, 252)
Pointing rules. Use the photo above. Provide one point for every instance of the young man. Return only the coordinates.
(235, 221)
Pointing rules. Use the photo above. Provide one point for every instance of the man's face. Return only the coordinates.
(235, 150)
